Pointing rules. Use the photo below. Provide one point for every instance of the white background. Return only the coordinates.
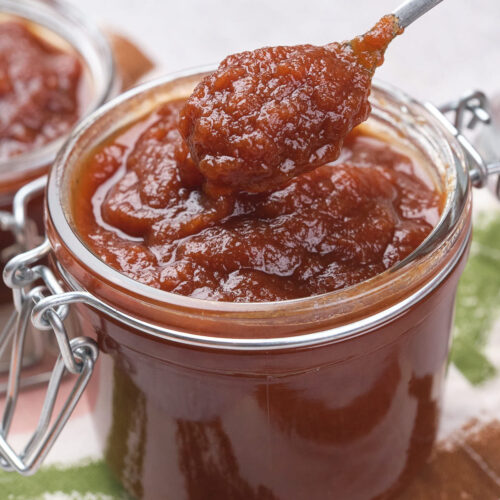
(454, 48)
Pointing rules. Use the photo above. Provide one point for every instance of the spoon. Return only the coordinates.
(411, 10)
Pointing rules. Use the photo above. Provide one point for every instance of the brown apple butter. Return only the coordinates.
(39, 90)
(268, 115)
(141, 207)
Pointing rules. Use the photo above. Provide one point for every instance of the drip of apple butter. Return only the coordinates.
(139, 204)
(39, 87)
(266, 116)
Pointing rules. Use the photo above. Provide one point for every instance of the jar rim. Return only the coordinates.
(61, 230)
(76, 29)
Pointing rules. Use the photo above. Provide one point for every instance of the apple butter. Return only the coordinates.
(141, 207)
(39, 90)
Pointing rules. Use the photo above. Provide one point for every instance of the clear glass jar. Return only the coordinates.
(330, 396)
(59, 19)
(62, 25)
(342, 400)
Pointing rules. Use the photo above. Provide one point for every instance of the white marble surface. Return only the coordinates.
(453, 48)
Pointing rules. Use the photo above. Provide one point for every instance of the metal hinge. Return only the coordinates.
(468, 112)
(32, 282)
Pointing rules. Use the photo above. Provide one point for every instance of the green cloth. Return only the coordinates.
(87, 481)
(478, 301)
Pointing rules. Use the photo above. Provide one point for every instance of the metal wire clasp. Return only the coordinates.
(18, 223)
(31, 282)
(474, 107)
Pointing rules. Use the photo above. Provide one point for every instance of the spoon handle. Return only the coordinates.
(411, 10)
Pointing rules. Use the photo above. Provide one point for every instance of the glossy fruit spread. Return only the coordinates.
(139, 204)
(268, 115)
(39, 87)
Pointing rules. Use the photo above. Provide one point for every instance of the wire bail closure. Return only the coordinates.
(31, 283)
(39, 297)
(18, 223)
(475, 106)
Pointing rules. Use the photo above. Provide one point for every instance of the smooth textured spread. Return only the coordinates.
(268, 115)
(139, 204)
(39, 87)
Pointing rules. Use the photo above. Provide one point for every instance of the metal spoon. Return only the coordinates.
(411, 10)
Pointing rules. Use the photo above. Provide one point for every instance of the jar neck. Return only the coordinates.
(344, 313)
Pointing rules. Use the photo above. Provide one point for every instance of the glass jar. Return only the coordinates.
(335, 395)
(63, 26)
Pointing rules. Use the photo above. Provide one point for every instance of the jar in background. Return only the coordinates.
(60, 25)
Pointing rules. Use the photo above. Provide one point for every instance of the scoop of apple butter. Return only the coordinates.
(270, 114)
